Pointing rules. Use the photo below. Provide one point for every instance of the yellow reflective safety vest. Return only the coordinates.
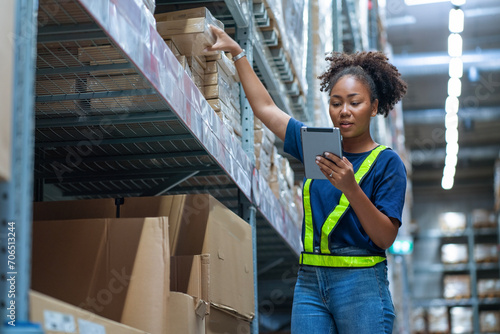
(324, 258)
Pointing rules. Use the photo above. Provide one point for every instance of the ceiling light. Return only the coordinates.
(422, 2)
(451, 135)
(447, 183)
(451, 121)
(456, 69)
(452, 148)
(451, 105)
(455, 45)
(454, 87)
(458, 2)
(456, 21)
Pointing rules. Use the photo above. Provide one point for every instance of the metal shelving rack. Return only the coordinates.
(471, 267)
(116, 116)
(131, 123)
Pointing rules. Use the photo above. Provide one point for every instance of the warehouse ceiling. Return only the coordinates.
(418, 36)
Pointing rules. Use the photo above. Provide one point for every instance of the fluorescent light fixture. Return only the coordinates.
(451, 121)
(452, 148)
(451, 160)
(456, 69)
(458, 2)
(455, 45)
(451, 105)
(451, 136)
(422, 2)
(447, 182)
(454, 87)
(456, 20)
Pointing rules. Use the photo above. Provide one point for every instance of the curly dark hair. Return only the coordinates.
(373, 68)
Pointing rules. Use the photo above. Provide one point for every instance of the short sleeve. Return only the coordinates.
(293, 144)
(390, 188)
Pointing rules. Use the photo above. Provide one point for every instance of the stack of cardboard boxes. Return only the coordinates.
(188, 268)
(187, 33)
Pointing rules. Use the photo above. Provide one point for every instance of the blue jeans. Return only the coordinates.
(342, 301)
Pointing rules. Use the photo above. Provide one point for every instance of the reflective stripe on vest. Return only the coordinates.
(328, 260)
(331, 223)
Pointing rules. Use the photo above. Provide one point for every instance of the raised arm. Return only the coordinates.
(261, 102)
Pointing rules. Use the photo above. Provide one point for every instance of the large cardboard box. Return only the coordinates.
(199, 224)
(6, 84)
(182, 316)
(58, 317)
(220, 322)
(116, 268)
(191, 275)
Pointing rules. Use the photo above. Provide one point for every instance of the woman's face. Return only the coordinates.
(351, 108)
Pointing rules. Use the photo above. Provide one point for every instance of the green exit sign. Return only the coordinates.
(402, 246)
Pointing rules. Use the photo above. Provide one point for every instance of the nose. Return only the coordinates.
(345, 109)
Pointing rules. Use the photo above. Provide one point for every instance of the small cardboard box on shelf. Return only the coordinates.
(56, 317)
(189, 29)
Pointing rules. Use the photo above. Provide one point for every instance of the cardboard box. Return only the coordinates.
(457, 286)
(198, 224)
(191, 275)
(438, 319)
(482, 218)
(488, 288)
(220, 91)
(58, 317)
(192, 36)
(171, 45)
(6, 87)
(220, 322)
(461, 320)
(454, 253)
(82, 209)
(489, 321)
(186, 14)
(452, 221)
(182, 316)
(486, 253)
(117, 268)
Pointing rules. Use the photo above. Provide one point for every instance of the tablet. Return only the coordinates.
(316, 141)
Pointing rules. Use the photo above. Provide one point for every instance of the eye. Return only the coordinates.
(335, 104)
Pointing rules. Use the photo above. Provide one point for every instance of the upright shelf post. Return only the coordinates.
(248, 212)
(16, 195)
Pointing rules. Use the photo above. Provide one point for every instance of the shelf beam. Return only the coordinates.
(95, 95)
(114, 141)
(90, 120)
(172, 182)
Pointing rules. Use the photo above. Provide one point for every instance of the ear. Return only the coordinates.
(374, 108)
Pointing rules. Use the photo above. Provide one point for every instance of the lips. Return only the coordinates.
(345, 124)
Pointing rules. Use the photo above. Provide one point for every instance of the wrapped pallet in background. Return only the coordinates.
(457, 286)
(454, 253)
(461, 320)
(451, 222)
(488, 288)
(489, 321)
(438, 319)
(483, 218)
(486, 253)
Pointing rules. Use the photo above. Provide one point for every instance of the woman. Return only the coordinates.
(352, 217)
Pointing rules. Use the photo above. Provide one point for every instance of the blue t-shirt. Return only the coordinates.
(385, 186)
